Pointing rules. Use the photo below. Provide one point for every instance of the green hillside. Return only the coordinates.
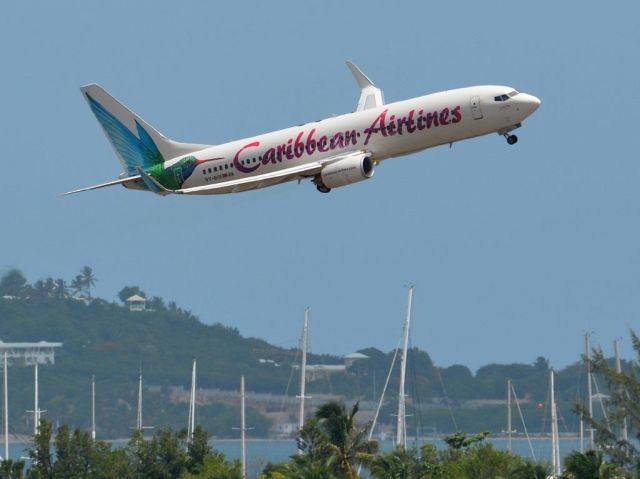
(108, 340)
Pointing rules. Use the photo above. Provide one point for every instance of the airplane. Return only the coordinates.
(332, 153)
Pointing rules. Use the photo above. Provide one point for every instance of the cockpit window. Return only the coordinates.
(513, 93)
(501, 98)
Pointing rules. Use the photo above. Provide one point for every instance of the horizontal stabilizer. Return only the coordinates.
(152, 184)
(122, 181)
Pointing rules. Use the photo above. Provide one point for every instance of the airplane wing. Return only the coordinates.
(129, 179)
(370, 95)
(267, 179)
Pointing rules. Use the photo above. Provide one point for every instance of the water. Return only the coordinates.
(260, 452)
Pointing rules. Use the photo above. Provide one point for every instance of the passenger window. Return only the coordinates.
(226, 167)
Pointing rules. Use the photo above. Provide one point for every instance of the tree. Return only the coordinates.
(60, 289)
(88, 279)
(12, 469)
(399, 463)
(77, 285)
(588, 465)
(13, 283)
(197, 450)
(624, 397)
(128, 291)
(40, 452)
(346, 443)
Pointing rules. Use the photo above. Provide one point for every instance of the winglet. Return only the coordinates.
(152, 184)
(370, 95)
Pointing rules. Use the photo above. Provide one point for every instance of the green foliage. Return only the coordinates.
(460, 440)
(622, 405)
(588, 465)
(13, 283)
(128, 291)
(11, 469)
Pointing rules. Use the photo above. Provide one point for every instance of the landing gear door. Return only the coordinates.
(475, 108)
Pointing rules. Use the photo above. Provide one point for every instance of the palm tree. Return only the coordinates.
(77, 285)
(588, 465)
(345, 442)
(88, 279)
(399, 463)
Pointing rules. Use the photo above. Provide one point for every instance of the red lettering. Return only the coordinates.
(411, 127)
(456, 115)
(378, 125)
(391, 129)
(444, 116)
(269, 156)
(337, 141)
(236, 158)
(421, 125)
(322, 144)
(311, 143)
(350, 137)
(432, 119)
(298, 149)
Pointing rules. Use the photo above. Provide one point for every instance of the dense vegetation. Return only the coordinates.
(106, 339)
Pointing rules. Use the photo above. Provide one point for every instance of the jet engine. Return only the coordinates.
(346, 171)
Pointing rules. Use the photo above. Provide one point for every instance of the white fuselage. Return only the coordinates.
(384, 132)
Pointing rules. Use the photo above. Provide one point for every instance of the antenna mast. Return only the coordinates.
(401, 431)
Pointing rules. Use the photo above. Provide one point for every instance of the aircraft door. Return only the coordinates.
(475, 108)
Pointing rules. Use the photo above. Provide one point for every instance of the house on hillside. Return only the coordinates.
(136, 303)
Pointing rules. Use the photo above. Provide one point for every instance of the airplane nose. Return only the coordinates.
(530, 102)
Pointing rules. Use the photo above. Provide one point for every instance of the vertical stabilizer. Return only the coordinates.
(135, 142)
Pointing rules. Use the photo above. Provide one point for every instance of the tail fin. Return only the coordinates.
(136, 143)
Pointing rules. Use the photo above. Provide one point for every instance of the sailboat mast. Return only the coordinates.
(93, 407)
(509, 415)
(139, 421)
(555, 446)
(401, 429)
(587, 348)
(243, 429)
(36, 410)
(6, 408)
(192, 403)
(303, 366)
(616, 349)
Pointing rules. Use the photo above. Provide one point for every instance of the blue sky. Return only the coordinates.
(515, 251)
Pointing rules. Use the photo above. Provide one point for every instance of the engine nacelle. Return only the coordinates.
(346, 171)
